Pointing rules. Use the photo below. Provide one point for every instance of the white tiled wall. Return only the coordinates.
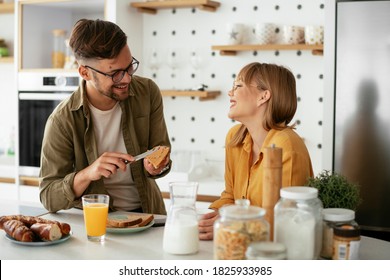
(202, 125)
(198, 128)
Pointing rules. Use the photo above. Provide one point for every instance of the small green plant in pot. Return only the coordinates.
(335, 191)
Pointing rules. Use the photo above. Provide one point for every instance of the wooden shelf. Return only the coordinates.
(233, 49)
(6, 8)
(24, 180)
(6, 59)
(151, 7)
(203, 95)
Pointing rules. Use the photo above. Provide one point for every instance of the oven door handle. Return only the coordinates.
(43, 96)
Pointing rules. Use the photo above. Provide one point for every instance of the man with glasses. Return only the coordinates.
(90, 138)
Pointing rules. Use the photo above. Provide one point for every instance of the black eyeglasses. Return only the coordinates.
(117, 76)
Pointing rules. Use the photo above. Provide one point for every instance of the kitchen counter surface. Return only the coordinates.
(144, 245)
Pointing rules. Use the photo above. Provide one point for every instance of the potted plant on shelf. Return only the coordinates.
(335, 191)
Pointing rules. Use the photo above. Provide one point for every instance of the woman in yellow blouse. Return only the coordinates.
(263, 99)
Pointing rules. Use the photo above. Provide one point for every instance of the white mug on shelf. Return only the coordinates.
(314, 34)
(293, 34)
(235, 33)
(265, 33)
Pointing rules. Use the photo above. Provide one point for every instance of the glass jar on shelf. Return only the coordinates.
(58, 52)
(238, 226)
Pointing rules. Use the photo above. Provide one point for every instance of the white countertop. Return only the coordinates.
(144, 245)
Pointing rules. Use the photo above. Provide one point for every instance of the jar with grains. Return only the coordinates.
(298, 222)
(58, 53)
(333, 217)
(237, 227)
(346, 242)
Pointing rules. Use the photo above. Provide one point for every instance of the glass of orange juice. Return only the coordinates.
(95, 208)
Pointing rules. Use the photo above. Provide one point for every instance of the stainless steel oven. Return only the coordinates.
(39, 94)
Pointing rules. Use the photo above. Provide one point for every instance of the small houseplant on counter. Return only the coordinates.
(335, 191)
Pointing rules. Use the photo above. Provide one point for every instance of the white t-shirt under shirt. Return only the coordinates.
(109, 137)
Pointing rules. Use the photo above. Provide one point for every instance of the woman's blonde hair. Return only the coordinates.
(282, 104)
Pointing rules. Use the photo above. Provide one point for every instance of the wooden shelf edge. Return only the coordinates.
(7, 8)
(24, 180)
(233, 49)
(6, 59)
(203, 95)
(151, 7)
(199, 197)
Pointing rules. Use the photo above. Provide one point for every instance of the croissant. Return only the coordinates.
(47, 232)
(18, 230)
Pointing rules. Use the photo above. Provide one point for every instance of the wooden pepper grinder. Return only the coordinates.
(272, 182)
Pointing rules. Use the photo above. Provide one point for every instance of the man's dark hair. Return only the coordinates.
(96, 39)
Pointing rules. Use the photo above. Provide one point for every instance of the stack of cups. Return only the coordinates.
(293, 34)
(314, 35)
(265, 33)
(235, 33)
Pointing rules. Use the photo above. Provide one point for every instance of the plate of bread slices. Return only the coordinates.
(129, 222)
(34, 231)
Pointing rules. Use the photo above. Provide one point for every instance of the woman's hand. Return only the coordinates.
(206, 225)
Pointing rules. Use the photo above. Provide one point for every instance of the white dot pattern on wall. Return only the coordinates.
(202, 125)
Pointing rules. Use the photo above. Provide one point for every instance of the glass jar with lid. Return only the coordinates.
(346, 242)
(298, 222)
(238, 226)
(333, 217)
(58, 53)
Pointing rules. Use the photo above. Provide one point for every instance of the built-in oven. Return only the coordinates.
(39, 94)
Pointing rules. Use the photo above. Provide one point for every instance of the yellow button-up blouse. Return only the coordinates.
(243, 180)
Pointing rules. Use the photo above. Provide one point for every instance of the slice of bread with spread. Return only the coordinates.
(123, 222)
(157, 157)
(129, 220)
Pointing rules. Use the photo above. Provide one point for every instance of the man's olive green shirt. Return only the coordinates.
(69, 145)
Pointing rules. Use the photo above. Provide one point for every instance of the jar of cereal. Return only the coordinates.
(238, 226)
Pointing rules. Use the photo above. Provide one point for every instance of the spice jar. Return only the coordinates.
(346, 242)
(58, 53)
(298, 222)
(237, 227)
(266, 250)
(333, 217)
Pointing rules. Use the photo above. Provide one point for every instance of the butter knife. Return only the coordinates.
(143, 155)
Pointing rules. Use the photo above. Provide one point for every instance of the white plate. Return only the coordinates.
(39, 243)
(128, 229)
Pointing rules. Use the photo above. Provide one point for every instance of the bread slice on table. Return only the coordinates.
(131, 220)
(123, 223)
(156, 158)
(146, 219)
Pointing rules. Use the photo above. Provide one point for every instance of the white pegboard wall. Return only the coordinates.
(202, 125)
